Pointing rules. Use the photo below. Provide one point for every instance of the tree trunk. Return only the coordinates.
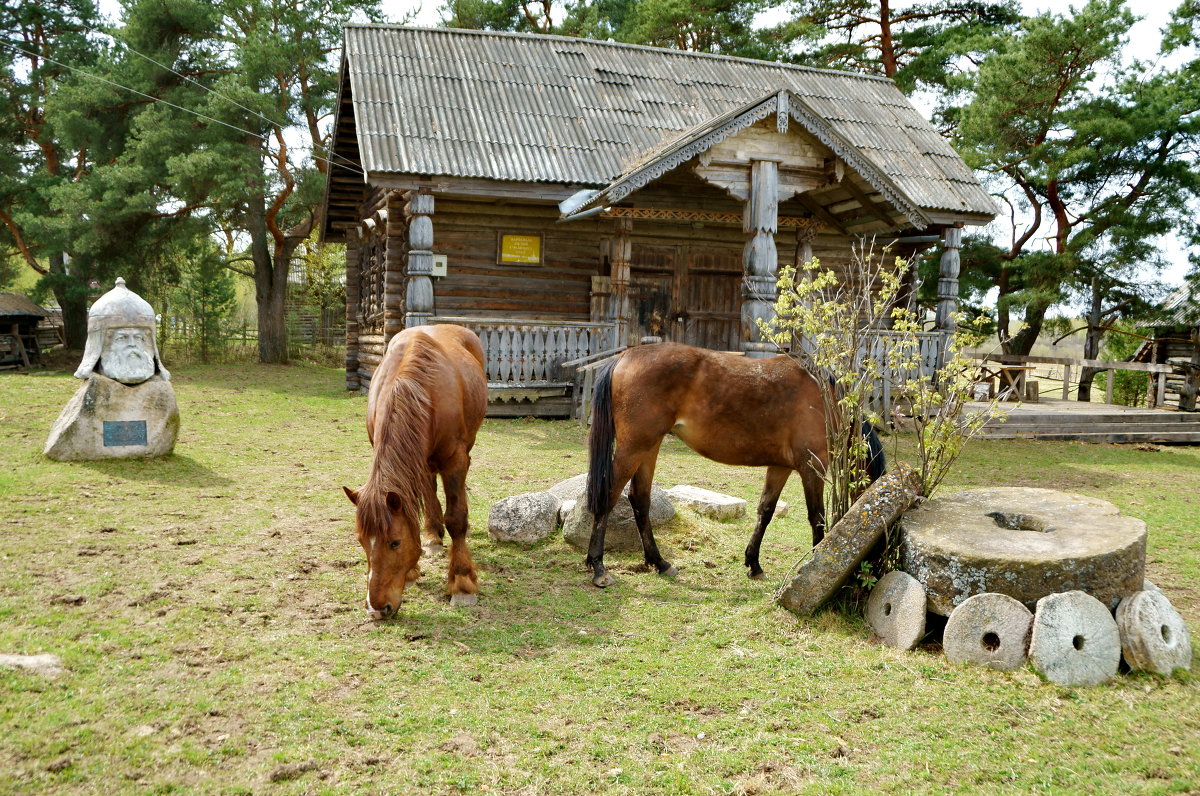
(72, 302)
(1091, 344)
(270, 287)
(1022, 342)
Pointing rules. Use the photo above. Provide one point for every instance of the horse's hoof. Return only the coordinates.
(603, 581)
(669, 572)
(758, 575)
(464, 600)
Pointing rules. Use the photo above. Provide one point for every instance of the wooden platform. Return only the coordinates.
(1055, 419)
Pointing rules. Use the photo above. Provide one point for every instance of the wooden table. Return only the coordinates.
(1010, 379)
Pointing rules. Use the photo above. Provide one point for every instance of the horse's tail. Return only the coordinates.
(601, 440)
(876, 460)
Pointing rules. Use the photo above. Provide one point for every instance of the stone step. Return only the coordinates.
(1022, 427)
(1055, 418)
(1166, 437)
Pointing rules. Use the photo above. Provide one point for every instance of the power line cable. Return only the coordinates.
(152, 98)
(349, 164)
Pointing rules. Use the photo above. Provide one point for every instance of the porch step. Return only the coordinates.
(1129, 436)
(1165, 427)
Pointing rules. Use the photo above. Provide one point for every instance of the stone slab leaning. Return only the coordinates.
(848, 542)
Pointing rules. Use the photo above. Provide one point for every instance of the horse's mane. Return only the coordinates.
(401, 462)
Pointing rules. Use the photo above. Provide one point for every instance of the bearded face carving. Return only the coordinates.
(128, 355)
(121, 339)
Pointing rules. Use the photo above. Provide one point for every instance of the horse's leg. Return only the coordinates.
(624, 464)
(814, 500)
(435, 525)
(462, 580)
(639, 498)
(776, 478)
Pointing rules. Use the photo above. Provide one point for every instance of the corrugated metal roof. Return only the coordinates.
(1181, 308)
(533, 108)
(14, 304)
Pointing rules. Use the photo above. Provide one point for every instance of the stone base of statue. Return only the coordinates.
(109, 420)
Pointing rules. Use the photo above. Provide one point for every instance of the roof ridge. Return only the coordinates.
(607, 43)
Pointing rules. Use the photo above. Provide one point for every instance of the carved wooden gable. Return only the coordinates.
(805, 163)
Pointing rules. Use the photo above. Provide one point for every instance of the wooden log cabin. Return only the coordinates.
(1174, 339)
(566, 197)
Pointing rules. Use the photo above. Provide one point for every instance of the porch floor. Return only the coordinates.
(1056, 419)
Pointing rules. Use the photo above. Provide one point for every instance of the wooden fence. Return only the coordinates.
(526, 354)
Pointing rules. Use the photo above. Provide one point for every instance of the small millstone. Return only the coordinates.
(1074, 640)
(1153, 635)
(989, 630)
(896, 610)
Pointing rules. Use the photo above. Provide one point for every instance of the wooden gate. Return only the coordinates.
(687, 294)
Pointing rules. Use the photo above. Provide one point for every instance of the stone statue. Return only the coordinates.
(121, 338)
(127, 407)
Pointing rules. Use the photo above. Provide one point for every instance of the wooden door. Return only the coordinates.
(652, 291)
(689, 294)
(713, 299)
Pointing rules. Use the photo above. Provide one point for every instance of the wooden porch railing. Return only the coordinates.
(929, 351)
(1156, 372)
(531, 353)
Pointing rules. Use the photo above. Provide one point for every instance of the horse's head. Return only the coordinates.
(390, 537)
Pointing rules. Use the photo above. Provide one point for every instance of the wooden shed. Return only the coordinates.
(21, 341)
(567, 197)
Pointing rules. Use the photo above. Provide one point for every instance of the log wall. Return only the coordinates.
(575, 257)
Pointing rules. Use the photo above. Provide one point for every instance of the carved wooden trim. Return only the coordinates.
(659, 214)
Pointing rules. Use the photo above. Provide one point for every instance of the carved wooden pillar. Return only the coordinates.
(353, 253)
(419, 296)
(601, 294)
(805, 236)
(621, 255)
(948, 279)
(760, 259)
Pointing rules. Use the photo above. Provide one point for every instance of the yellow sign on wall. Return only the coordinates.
(525, 249)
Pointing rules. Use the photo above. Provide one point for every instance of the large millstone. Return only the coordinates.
(1023, 542)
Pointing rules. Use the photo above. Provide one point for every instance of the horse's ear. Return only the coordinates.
(393, 502)
(350, 493)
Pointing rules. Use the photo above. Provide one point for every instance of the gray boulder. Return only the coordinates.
(525, 518)
(571, 489)
(622, 533)
(708, 503)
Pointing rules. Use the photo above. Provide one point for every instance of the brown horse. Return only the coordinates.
(734, 410)
(427, 400)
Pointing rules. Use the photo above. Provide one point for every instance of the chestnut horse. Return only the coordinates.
(427, 400)
(731, 409)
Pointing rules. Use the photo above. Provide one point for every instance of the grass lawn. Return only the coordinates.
(209, 609)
